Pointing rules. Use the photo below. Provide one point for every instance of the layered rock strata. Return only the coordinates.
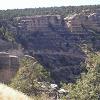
(8, 66)
(48, 40)
(78, 23)
(56, 42)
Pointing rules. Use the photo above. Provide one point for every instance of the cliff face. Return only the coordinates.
(48, 40)
(55, 43)
(40, 23)
(87, 25)
(78, 23)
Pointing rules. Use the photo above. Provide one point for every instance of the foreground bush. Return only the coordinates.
(88, 86)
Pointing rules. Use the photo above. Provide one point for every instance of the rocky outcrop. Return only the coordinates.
(78, 23)
(48, 40)
(40, 23)
(55, 43)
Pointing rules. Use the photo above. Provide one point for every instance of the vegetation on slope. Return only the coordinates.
(30, 77)
(88, 86)
(31, 73)
(6, 35)
(64, 11)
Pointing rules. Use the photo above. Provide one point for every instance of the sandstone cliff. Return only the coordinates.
(55, 43)
(78, 23)
(48, 40)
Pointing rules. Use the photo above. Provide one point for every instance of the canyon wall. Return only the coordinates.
(47, 39)
(84, 21)
(56, 42)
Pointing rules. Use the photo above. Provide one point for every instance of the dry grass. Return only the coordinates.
(7, 93)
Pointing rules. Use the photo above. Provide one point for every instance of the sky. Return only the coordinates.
(20, 4)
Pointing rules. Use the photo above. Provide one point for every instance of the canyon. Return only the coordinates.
(56, 42)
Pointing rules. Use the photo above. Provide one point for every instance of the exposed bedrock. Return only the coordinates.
(49, 39)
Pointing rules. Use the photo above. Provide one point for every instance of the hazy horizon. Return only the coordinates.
(21, 4)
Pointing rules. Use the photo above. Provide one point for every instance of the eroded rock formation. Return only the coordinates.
(40, 23)
(57, 44)
(48, 40)
(78, 23)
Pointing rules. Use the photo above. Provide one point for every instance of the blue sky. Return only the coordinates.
(13, 4)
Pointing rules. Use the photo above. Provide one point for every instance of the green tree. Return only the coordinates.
(29, 75)
(88, 86)
(6, 35)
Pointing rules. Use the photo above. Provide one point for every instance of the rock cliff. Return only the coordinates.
(78, 23)
(48, 40)
(8, 66)
(55, 42)
(40, 23)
